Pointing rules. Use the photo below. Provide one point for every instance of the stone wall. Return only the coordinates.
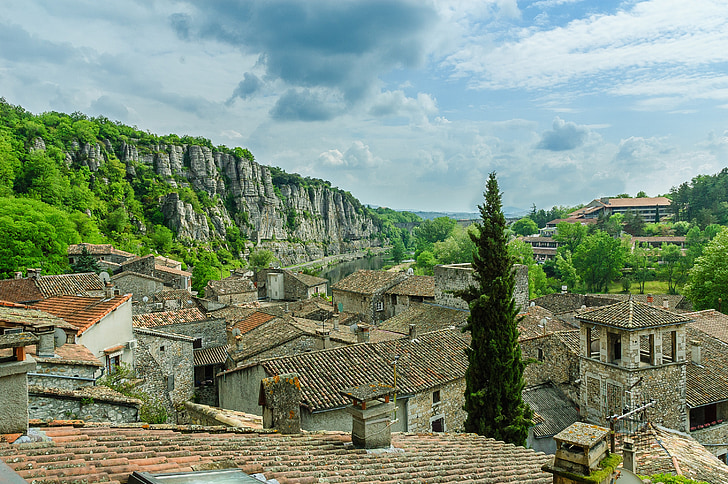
(47, 374)
(46, 406)
(165, 362)
(457, 277)
(143, 265)
(716, 434)
(137, 285)
(555, 362)
(14, 396)
(212, 331)
(422, 411)
(357, 304)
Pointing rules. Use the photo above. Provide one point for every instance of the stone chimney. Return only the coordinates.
(650, 299)
(335, 321)
(46, 343)
(108, 290)
(628, 455)
(371, 412)
(14, 383)
(323, 340)
(280, 397)
(412, 332)
(580, 448)
(695, 352)
(665, 303)
(18, 275)
(362, 333)
(33, 273)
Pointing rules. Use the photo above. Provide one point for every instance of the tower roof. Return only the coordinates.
(631, 315)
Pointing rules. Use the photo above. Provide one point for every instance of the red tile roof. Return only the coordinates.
(163, 318)
(19, 290)
(252, 321)
(69, 353)
(82, 312)
(103, 453)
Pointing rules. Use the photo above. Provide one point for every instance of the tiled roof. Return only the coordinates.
(232, 314)
(172, 294)
(163, 318)
(673, 300)
(422, 286)
(161, 334)
(214, 355)
(673, 239)
(531, 327)
(344, 334)
(706, 383)
(307, 279)
(30, 317)
(368, 282)
(103, 453)
(19, 290)
(630, 315)
(639, 202)
(232, 285)
(661, 451)
(252, 321)
(572, 339)
(555, 409)
(97, 393)
(82, 312)
(711, 322)
(69, 284)
(431, 359)
(270, 334)
(314, 305)
(426, 317)
(97, 249)
(171, 270)
(68, 353)
(125, 274)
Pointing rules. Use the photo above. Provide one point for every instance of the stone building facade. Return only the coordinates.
(138, 285)
(64, 374)
(440, 409)
(552, 359)
(457, 277)
(91, 404)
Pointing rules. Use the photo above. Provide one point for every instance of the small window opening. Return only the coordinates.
(436, 397)
(540, 354)
(438, 425)
(197, 343)
(161, 348)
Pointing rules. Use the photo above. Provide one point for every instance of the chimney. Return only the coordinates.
(412, 332)
(108, 290)
(697, 358)
(665, 303)
(628, 455)
(371, 411)
(18, 275)
(323, 341)
(46, 343)
(280, 397)
(362, 333)
(580, 449)
(650, 299)
(33, 273)
(335, 321)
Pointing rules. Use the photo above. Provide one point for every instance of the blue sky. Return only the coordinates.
(407, 104)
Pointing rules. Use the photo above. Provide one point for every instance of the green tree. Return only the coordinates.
(207, 267)
(670, 255)
(260, 259)
(522, 253)
(570, 235)
(425, 262)
(599, 260)
(640, 260)
(86, 263)
(566, 269)
(524, 226)
(708, 279)
(456, 249)
(494, 378)
(398, 250)
(162, 239)
(634, 223)
(431, 231)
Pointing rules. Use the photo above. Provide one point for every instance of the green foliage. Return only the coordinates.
(86, 263)
(494, 378)
(633, 223)
(207, 267)
(425, 263)
(456, 249)
(124, 381)
(542, 217)
(261, 259)
(398, 251)
(708, 279)
(524, 226)
(162, 238)
(702, 201)
(599, 260)
(570, 235)
(670, 268)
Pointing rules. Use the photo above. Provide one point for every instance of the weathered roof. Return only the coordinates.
(231, 285)
(67, 354)
(571, 339)
(19, 290)
(31, 318)
(422, 286)
(708, 382)
(430, 360)
(98, 393)
(582, 433)
(96, 453)
(232, 314)
(164, 318)
(125, 274)
(426, 317)
(162, 334)
(82, 312)
(16, 340)
(659, 450)
(172, 294)
(214, 355)
(251, 321)
(532, 327)
(638, 202)
(97, 249)
(172, 270)
(555, 409)
(307, 279)
(630, 315)
(711, 322)
(368, 282)
(69, 284)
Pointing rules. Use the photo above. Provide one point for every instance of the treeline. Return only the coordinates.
(703, 200)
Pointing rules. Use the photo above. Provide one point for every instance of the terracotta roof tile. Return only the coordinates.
(639, 202)
(82, 312)
(97, 249)
(308, 457)
(708, 382)
(571, 339)
(164, 318)
(172, 270)
(69, 284)
(69, 353)
(19, 290)
(251, 321)
(422, 286)
(214, 355)
(368, 282)
(630, 315)
(711, 322)
(232, 285)
(30, 317)
(531, 327)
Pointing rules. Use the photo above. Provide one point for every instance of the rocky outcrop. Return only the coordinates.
(298, 223)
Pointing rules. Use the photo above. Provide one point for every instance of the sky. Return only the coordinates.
(406, 104)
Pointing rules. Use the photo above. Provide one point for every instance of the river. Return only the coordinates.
(337, 272)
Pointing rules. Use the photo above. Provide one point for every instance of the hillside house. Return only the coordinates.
(106, 255)
(235, 289)
(363, 292)
(140, 286)
(149, 265)
(278, 284)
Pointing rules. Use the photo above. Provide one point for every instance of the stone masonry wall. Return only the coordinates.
(421, 410)
(456, 277)
(137, 286)
(717, 434)
(46, 407)
(212, 331)
(559, 365)
(46, 375)
(302, 344)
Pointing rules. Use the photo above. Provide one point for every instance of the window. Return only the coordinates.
(669, 347)
(614, 352)
(112, 363)
(592, 343)
(436, 397)
(647, 349)
(539, 355)
(438, 425)
(379, 306)
(197, 343)
(161, 348)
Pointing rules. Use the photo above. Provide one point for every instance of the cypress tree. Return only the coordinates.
(86, 263)
(494, 378)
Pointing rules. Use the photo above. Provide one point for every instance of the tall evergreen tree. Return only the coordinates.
(494, 378)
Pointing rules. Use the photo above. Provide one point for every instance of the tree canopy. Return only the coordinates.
(524, 226)
(708, 279)
(599, 260)
(494, 378)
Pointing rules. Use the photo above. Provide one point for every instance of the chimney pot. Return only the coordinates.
(362, 334)
(335, 322)
(696, 358)
(666, 303)
(46, 344)
(628, 455)
(650, 299)
(412, 331)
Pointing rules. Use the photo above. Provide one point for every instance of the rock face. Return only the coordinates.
(297, 223)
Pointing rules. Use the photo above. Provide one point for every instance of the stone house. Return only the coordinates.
(235, 289)
(138, 285)
(106, 255)
(149, 266)
(425, 317)
(36, 287)
(414, 289)
(430, 381)
(363, 292)
(282, 284)
(456, 277)
(14, 380)
(103, 325)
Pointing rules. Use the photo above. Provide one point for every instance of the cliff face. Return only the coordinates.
(297, 223)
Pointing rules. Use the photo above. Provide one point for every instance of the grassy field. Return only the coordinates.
(651, 287)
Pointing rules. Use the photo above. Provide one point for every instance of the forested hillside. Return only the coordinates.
(70, 178)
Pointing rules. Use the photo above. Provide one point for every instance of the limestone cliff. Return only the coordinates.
(298, 223)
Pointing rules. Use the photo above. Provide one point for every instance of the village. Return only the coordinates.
(382, 363)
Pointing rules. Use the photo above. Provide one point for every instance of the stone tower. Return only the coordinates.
(632, 353)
